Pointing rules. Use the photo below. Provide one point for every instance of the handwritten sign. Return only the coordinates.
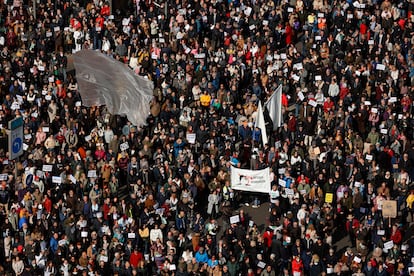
(389, 208)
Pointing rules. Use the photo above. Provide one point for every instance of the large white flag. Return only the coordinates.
(260, 123)
(251, 181)
(274, 106)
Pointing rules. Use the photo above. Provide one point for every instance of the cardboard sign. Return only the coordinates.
(329, 197)
(389, 208)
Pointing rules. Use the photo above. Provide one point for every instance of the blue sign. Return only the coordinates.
(16, 138)
(17, 144)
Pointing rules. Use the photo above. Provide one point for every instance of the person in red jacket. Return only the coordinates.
(135, 258)
(268, 236)
(396, 236)
(297, 266)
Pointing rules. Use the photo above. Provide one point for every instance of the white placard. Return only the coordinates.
(48, 97)
(302, 192)
(357, 184)
(298, 66)
(357, 259)
(104, 259)
(35, 114)
(296, 77)
(404, 247)
(368, 157)
(41, 68)
(19, 98)
(78, 103)
(49, 34)
(200, 56)
(191, 138)
(47, 168)
(92, 173)
(72, 179)
(370, 42)
(4, 176)
(84, 234)
(321, 14)
(131, 235)
(399, 116)
(289, 192)
(283, 56)
(281, 170)
(265, 22)
(380, 67)
(384, 131)
(248, 11)
(289, 10)
(282, 182)
(367, 103)
(374, 110)
(56, 29)
(329, 270)
(312, 103)
(392, 100)
(88, 138)
(301, 96)
(252, 27)
(45, 129)
(261, 264)
(318, 77)
(56, 179)
(350, 16)
(25, 146)
(173, 267)
(124, 146)
(388, 245)
(318, 37)
(234, 219)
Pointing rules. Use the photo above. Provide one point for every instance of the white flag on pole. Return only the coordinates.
(260, 123)
(274, 106)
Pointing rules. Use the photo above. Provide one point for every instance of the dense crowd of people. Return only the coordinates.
(93, 194)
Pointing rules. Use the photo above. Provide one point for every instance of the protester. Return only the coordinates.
(93, 194)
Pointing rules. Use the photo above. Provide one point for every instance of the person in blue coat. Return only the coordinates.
(201, 256)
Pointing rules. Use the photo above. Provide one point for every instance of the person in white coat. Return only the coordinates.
(78, 35)
(213, 203)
